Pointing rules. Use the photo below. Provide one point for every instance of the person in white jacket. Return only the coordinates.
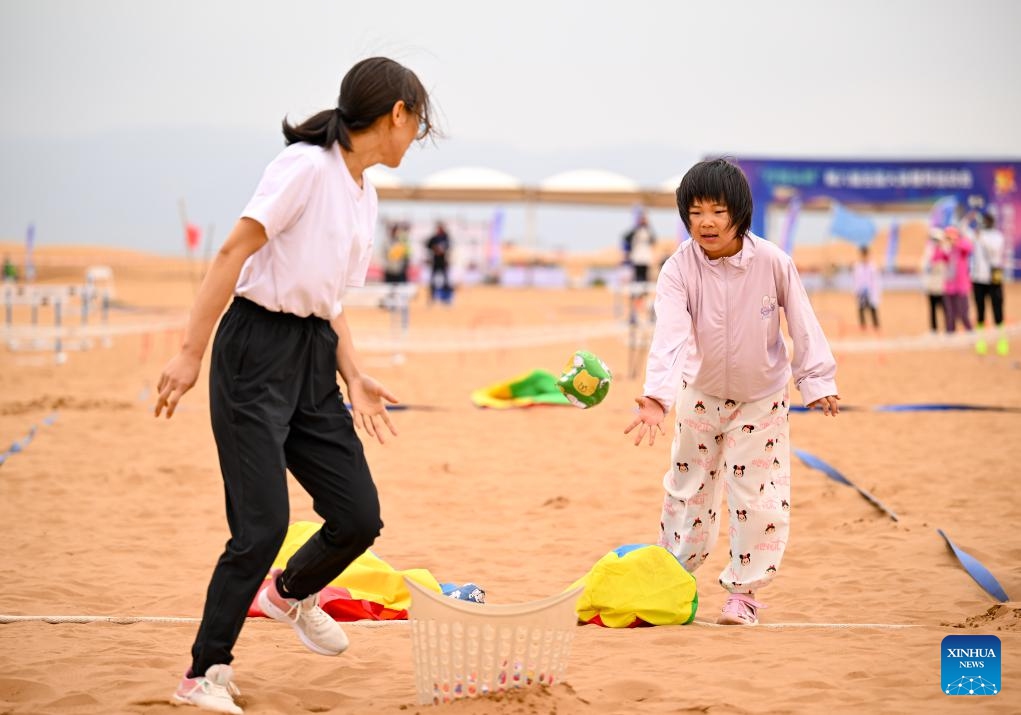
(867, 288)
(718, 356)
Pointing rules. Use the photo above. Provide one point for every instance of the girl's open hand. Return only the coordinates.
(650, 415)
(830, 405)
(368, 406)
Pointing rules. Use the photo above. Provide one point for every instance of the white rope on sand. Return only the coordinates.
(70, 332)
(840, 626)
(445, 340)
(127, 620)
(120, 620)
(926, 341)
(441, 340)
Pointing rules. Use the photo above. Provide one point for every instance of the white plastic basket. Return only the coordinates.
(464, 649)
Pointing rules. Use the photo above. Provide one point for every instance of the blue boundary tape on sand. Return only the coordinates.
(983, 577)
(19, 445)
(403, 407)
(814, 462)
(944, 407)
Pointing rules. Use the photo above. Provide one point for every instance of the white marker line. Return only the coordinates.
(816, 625)
(125, 620)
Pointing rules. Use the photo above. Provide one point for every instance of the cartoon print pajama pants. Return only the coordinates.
(741, 448)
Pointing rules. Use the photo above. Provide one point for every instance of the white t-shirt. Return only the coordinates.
(987, 254)
(867, 282)
(642, 247)
(320, 226)
(934, 273)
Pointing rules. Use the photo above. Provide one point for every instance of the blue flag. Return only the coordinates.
(790, 220)
(851, 226)
(29, 258)
(942, 212)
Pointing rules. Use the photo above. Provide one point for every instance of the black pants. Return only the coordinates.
(275, 404)
(935, 306)
(994, 291)
(866, 306)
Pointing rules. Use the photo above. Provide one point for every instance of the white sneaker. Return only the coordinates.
(320, 633)
(213, 691)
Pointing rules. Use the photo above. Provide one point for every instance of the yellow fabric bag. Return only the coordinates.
(368, 577)
(636, 585)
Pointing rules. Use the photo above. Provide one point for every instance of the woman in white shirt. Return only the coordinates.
(987, 282)
(303, 239)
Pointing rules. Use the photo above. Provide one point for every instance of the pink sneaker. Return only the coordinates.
(213, 691)
(740, 610)
(320, 633)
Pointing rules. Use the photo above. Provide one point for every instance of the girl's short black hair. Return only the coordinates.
(368, 91)
(717, 180)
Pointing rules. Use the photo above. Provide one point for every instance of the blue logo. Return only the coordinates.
(970, 665)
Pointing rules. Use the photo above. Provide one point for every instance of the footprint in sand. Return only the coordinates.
(557, 502)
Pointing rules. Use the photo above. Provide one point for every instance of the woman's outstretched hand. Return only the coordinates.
(649, 419)
(178, 377)
(368, 406)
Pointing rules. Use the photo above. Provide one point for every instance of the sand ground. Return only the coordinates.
(111, 512)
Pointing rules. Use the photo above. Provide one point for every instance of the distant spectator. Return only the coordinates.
(934, 277)
(867, 288)
(987, 281)
(395, 262)
(640, 248)
(10, 270)
(955, 252)
(438, 247)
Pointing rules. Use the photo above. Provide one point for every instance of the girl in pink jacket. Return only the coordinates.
(718, 356)
(955, 253)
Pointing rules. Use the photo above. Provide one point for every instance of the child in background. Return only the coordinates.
(867, 288)
(718, 339)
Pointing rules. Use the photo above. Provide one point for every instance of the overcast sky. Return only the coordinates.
(527, 87)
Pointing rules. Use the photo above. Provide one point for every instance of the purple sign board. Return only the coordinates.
(891, 182)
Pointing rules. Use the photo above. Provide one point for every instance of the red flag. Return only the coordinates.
(192, 236)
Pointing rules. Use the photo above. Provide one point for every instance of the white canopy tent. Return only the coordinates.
(484, 185)
(472, 184)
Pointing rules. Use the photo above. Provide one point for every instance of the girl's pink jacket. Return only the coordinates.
(956, 257)
(718, 327)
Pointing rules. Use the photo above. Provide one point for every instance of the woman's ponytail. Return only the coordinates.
(321, 129)
(368, 91)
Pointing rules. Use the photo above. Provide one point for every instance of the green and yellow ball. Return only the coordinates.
(585, 380)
